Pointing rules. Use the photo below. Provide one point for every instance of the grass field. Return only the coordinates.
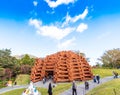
(23, 79)
(61, 88)
(105, 72)
(109, 88)
(14, 92)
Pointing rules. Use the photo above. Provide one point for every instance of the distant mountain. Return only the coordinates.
(21, 56)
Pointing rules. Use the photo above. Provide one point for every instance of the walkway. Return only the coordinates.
(6, 89)
(80, 88)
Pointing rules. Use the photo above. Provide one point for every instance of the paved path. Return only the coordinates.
(37, 84)
(81, 88)
(6, 89)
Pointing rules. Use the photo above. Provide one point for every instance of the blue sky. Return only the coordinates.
(43, 27)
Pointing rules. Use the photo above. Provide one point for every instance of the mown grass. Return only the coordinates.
(23, 79)
(61, 88)
(43, 91)
(109, 88)
(105, 72)
(56, 90)
(14, 92)
(20, 91)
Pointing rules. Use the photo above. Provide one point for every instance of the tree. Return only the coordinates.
(26, 60)
(6, 60)
(9, 64)
(2, 72)
(25, 69)
(111, 58)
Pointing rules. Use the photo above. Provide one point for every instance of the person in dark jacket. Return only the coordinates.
(94, 79)
(98, 78)
(86, 85)
(74, 88)
(50, 89)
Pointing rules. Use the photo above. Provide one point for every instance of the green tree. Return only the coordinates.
(111, 58)
(26, 60)
(6, 60)
(2, 72)
(8, 64)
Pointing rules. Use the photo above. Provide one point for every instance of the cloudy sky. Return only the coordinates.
(43, 27)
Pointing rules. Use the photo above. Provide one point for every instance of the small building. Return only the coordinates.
(62, 66)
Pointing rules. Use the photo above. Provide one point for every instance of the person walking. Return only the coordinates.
(98, 78)
(15, 83)
(86, 85)
(74, 88)
(94, 79)
(115, 74)
(44, 80)
(50, 89)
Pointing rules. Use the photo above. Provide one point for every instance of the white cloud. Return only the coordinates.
(54, 32)
(67, 44)
(68, 18)
(80, 16)
(54, 4)
(60, 30)
(50, 31)
(35, 22)
(82, 27)
(35, 3)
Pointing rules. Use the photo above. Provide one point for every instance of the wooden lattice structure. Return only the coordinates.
(64, 66)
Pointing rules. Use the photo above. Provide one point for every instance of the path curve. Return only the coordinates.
(81, 88)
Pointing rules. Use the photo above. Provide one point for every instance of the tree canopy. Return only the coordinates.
(111, 58)
(11, 66)
(26, 60)
(6, 60)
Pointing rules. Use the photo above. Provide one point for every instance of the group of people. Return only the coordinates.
(96, 79)
(74, 87)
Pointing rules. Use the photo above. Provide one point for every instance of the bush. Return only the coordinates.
(2, 72)
(25, 69)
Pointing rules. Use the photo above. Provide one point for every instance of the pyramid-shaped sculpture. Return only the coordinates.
(63, 66)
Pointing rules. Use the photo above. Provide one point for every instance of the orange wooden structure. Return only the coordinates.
(63, 66)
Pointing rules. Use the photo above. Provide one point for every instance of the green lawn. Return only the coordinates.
(56, 90)
(109, 88)
(61, 88)
(105, 72)
(23, 79)
(14, 92)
